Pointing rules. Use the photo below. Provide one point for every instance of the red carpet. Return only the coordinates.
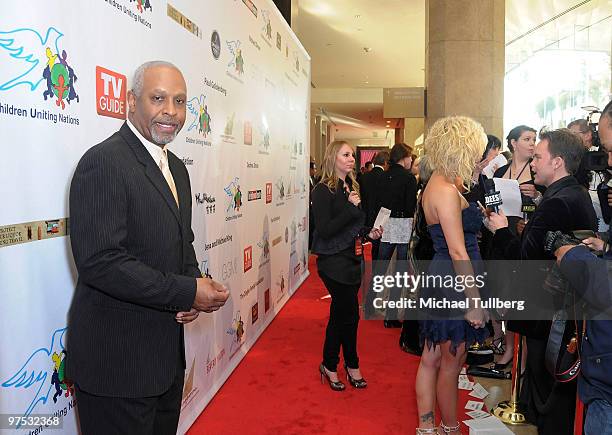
(276, 388)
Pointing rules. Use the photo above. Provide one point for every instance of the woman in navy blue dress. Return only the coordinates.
(453, 146)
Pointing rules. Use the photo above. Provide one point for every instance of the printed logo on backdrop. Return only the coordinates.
(248, 258)
(204, 199)
(264, 145)
(248, 133)
(233, 197)
(252, 165)
(249, 4)
(237, 332)
(187, 161)
(228, 131)
(254, 313)
(268, 193)
(199, 122)
(190, 391)
(278, 40)
(214, 362)
(267, 300)
(205, 269)
(218, 242)
(183, 21)
(254, 195)
(215, 44)
(280, 287)
(264, 246)
(217, 87)
(29, 58)
(143, 5)
(266, 30)
(111, 89)
(229, 268)
(280, 192)
(235, 67)
(135, 12)
(42, 380)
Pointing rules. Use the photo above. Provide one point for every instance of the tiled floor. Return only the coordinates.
(499, 390)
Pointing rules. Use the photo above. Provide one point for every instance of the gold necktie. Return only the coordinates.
(163, 165)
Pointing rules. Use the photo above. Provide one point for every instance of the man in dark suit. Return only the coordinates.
(370, 192)
(139, 282)
(565, 206)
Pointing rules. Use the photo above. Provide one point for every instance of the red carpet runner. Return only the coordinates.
(276, 388)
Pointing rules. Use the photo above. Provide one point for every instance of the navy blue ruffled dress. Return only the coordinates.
(441, 327)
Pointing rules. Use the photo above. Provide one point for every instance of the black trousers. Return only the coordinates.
(550, 405)
(158, 415)
(342, 325)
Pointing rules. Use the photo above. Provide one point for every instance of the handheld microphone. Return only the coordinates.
(527, 207)
(492, 197)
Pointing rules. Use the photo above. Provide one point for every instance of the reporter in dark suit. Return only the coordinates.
(138, 283)
(565, 206)
(371, 191)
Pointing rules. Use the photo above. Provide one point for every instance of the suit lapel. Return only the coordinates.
(152, 171)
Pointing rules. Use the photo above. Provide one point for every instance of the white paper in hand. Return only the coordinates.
(510, 195)
(494, 165)
(382, 218)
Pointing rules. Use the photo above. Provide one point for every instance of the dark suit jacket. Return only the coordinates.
(133, 251)
(566, 206)
(370, 192)
(398, 191)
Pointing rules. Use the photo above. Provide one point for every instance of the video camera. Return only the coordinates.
(594, 160)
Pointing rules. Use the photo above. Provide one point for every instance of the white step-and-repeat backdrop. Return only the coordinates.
(64, 71)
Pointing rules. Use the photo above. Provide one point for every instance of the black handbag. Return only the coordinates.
(562, 357)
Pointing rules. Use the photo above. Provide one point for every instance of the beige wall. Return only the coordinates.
(464, 55)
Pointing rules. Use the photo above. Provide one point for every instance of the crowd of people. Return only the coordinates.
(436, 213)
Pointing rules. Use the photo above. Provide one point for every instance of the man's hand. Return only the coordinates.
(187, 316)
(520, 226)
(594, 243)
(210, 295)
(528, 190)
(496, 221)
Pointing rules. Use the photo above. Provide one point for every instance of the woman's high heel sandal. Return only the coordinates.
(427, 431)
(336, 386)
(356, 383)
(449, 429)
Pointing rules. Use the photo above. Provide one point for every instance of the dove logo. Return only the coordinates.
(200, 120)
(111, 88)
(41, 375)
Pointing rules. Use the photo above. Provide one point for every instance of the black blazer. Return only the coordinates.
(370, 191)
(399, 191)
(566, 206)
(337, 224)
(133, 251)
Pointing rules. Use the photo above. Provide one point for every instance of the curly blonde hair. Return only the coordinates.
(453, 145)
(328, 174)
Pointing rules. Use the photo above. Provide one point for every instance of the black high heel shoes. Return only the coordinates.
(356, 383)
(336, 386)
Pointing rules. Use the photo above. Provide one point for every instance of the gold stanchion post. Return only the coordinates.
(508, 411)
